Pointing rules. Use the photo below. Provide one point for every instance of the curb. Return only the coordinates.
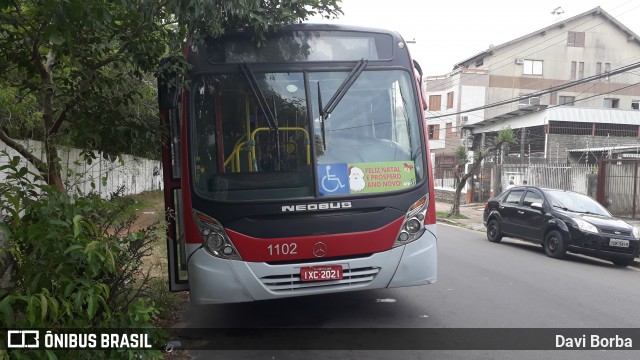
(636, 262)
(449, 221)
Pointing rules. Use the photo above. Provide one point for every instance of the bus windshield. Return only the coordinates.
(370, 143)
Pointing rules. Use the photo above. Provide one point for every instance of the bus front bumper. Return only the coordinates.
(215, 281)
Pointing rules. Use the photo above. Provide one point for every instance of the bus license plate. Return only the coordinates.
(321, 273)
(619, 242)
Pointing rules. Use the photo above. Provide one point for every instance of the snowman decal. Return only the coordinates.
(356, 179)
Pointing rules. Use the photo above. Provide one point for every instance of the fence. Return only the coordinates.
(493, 178)
(134, 175)
(444, 183)
(618, 186)
(572, 177)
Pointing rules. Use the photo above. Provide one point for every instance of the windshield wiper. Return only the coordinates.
(324, 141)
(326, 110)
(344, 87)
(257, 92)
(573, 211)
(272, 119)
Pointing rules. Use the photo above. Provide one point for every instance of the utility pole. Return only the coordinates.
(522, 136)
(481, 187)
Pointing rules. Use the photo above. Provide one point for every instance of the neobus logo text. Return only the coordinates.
(318, 206)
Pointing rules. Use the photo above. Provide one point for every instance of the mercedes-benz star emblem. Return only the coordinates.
(320, 249)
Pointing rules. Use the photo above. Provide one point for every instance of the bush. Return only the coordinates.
(70, 262)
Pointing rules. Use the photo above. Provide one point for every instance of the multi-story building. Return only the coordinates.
(572, 85)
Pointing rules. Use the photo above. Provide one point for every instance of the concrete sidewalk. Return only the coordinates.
(474, 212)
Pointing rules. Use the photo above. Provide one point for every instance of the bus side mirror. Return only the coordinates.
(421, 88)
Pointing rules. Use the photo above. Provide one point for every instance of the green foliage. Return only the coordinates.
(200, 18)
(84, 67)
(445, 215)
(505, 137)
(461, 155)
(71, 262)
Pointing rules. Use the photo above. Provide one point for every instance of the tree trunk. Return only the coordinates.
(455, 207)
(53, 175)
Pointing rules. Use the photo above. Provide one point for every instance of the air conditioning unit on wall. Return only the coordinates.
(519, 61)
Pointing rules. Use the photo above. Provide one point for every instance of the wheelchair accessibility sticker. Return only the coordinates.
(359, 178)
(333, 179)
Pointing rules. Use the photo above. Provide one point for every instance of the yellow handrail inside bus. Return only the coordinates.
(234, 158)
(253, 147)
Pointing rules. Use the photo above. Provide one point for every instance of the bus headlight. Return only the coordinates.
(215, 240)
(413, 226)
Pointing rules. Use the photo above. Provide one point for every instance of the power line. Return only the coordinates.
(482, 117)
(589, 97)
(507, 61)
(575, 101)
(544, 92)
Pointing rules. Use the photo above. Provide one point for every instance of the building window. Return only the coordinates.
(450, 100)
(581, 70)
(434, 102)
(577, 70)
(620, 130)
(532, 67)
(570, 128)
(598, 68)
(449, 130)
(567, 100)
(610, 103)
(575, 38)
(529, 101)
(434, 132)
(607, 69)
(635, 104)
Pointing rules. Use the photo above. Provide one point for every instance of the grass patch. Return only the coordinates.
(147, 207)
(139, 202)
(443, 215)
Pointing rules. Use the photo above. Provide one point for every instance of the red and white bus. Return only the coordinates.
(298, 167)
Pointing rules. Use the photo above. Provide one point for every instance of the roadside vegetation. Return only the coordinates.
(83, 73)
(445, 215)
(74, 262)
(505, 137)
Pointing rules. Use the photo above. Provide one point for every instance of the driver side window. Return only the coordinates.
(514, 197)
(532, 197)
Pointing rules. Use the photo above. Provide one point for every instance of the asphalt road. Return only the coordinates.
(480, 285)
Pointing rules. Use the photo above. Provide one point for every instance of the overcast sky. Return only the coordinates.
(447, 32)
